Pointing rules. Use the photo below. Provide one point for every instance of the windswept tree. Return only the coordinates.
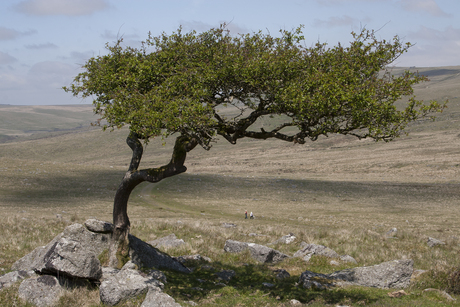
(184, 84)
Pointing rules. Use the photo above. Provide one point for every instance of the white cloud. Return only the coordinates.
(61, 7)
(10, 34)
(42, 46)
(427, 6)
(6, 59)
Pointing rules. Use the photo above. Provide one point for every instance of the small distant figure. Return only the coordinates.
(246, 214)
(251, 216)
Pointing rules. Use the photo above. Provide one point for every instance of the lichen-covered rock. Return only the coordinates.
(74, 253)
(287, 239)
(95, 225)
(155, 298)
(10, 278)
(315, 249)
(42, 291)
(432, 242)
(127, 283)
(259, 252)
(391, 274)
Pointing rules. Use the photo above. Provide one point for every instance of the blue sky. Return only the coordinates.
(43, 43)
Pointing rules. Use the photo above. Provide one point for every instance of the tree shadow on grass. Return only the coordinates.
(68, 188)
(253, 282)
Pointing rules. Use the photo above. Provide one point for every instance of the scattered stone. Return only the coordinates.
(333, 262)
(307, 257)
(312, 280)
(268, 285)
(397, 294)
(226, 275)
(12, 277)
(442, 293)
(294, 302)
(191, 303)
(167, 242)
(125, 284)
(316, 250)
(259, 252)
(156, 298)
(391, 274)
(229, 225)
(287, 239)
(391, 233)
(208, 267)
(282, 274)
(432, 242)
(42, 291)
(95, 225)
(348, 258)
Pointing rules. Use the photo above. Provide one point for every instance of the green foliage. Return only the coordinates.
(185, 82)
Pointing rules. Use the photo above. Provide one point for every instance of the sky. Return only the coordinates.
(44, 43)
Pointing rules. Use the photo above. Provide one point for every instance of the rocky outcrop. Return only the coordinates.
(72, 253)
(71, 259)
(125, 284)
(259, 252)
(391, 274)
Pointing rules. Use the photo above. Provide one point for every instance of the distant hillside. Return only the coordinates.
(32, 122)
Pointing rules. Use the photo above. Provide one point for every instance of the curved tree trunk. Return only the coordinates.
(119, 247)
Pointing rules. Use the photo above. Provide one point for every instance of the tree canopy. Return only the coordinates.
(202, 86)
(184, 82)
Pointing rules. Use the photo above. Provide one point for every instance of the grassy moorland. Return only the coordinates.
(340, 192)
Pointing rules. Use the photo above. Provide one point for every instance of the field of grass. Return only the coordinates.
(340, 192)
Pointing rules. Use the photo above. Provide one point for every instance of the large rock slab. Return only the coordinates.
(146, 256)
(391, 274)
(125, 284)
(72, 253)
(260, 253)
(42, 291)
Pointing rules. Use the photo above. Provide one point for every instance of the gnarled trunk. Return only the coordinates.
(119, 247)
